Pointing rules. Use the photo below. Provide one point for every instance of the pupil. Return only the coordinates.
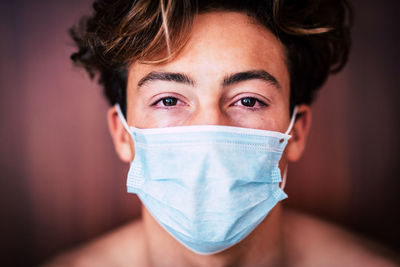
(248, 102)
(169, 101)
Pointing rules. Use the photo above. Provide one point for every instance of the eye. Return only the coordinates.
(168, 101)
(250, 102)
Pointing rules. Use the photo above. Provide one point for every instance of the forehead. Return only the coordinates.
(225, 42)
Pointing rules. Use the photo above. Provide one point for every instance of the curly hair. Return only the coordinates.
(315, 34)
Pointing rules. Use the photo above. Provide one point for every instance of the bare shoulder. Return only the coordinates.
(124, 246)
(314, 242)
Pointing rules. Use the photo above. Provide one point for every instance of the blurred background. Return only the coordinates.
(62, 184)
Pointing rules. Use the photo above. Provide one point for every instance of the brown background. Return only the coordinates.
(61, 182)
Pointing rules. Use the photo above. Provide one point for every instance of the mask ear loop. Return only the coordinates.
(121, 117)
(292, 120)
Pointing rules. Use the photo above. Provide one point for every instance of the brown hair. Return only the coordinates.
(316, 35)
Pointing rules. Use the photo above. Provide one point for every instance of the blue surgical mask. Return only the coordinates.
(208, 186)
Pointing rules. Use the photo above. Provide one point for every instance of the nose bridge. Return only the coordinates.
(209, 111)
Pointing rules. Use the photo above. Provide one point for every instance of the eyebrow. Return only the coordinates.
(166, 76)
(228, 80)
(251, 75)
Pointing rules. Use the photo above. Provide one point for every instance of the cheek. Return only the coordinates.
(136, 113)
(149, 117)
(273, 118)
(254, 121)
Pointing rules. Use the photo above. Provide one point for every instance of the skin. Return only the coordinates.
(222, 44)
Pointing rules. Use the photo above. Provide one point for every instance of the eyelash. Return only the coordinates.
(251, 98)
(175, 102)
(175, 99)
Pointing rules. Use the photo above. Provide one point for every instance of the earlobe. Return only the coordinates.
(299, 133)
(122, 140)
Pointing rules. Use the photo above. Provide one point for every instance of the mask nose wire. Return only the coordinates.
(122, 117)
(292, 120)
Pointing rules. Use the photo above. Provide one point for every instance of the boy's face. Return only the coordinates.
(232, 72)
(221, 46)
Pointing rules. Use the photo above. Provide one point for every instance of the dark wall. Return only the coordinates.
(350, 172)
(61, 182)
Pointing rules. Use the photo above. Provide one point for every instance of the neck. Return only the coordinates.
(263, 247)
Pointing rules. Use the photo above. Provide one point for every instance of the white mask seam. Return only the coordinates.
(283, 183)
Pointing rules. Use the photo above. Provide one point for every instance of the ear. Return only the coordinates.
(299, 133)
(123, 143)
